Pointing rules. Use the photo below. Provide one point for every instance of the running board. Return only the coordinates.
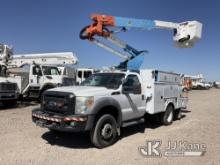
(133, 122)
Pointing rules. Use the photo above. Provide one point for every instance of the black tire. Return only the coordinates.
(166, 117)
(178, 114)
(199, 87)
(207, 88)
(56, 132)
(9, 103)
(104, 132)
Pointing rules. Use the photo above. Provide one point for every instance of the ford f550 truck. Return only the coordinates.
(107, 101)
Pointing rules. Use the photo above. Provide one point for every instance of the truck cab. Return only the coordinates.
(83, 73)
(107, 101)
(36, 78)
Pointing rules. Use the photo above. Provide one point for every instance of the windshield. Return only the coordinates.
(48, 70)
(108, 80)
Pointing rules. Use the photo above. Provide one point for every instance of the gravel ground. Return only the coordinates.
(21, 142)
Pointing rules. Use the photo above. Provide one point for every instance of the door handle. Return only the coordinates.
(116, 93)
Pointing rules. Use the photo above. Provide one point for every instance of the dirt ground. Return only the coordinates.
(21, 142)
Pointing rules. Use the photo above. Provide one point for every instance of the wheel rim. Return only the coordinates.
(170, 116)
(107, 131)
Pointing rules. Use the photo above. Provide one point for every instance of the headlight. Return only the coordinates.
(83, 104)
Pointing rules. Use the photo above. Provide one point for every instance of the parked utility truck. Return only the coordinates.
(35, 73)
(43, 71)
(107, 101)
(29, 75)
(8, 88)
(198, 82)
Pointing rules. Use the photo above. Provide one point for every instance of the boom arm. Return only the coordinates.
(44, 58)
(7, 58)
(185, 34)
(6, 53)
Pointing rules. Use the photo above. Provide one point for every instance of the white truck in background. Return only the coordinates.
(201, 85)
(35, 73)
(83, 73)
(216, 84)
(198, 82)
(29, 75)
(8, 88)
(107, 101)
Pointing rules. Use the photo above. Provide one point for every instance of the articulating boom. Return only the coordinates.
(185, 35)
(6, 53)
(8, 59)
(62, 58)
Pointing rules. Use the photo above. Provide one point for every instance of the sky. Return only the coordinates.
(40, 26)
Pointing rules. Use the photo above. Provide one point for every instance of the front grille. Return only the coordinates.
(7, 86)
(58, 103)
(13, 96)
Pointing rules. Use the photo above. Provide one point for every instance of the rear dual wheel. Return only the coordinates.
(178, 114)
(166, 117)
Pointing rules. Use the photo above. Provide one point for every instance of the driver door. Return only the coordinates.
(133, 104)
(36, 75)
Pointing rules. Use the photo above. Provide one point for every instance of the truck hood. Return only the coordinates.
(84, 90)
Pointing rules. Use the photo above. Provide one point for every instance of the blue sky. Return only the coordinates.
(35, 26)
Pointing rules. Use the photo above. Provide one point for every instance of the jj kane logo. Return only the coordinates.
(173, 148)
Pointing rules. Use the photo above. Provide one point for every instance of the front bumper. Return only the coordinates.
(73, 123)
(8, 95)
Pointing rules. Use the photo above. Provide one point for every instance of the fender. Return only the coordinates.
(170, 102)
(107, 101)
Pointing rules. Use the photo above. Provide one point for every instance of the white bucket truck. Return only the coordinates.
(35, 73)
(107, 101)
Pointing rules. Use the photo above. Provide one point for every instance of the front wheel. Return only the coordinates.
(105, 131)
